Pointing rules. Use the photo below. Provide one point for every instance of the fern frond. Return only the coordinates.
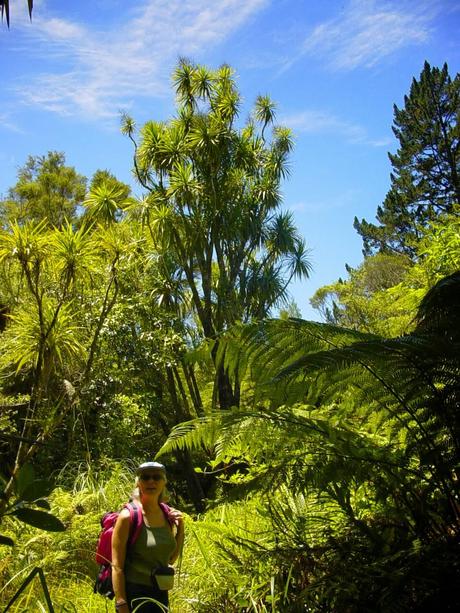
(193, 434)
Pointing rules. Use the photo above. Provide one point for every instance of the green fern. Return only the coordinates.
(352, 441)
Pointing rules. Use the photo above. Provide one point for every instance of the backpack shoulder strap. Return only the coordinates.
(136, 521)
(167, 510)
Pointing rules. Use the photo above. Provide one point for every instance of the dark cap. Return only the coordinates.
(150, 466)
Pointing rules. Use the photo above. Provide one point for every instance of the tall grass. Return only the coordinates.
(221, 568)
(67, 558)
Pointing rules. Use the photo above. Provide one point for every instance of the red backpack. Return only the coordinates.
(103, 584)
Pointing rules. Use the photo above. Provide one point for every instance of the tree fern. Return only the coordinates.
(352, 442)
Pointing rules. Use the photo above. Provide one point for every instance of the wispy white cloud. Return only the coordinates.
(6, 123)
(367, 31)
(102, 71)
(329, 200)
(322, 122)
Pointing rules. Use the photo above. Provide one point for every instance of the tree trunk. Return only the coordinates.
(195, 490)
(193, 388)
(225, 393)
(184, 458)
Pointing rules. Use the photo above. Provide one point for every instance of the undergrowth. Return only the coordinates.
(221, 568)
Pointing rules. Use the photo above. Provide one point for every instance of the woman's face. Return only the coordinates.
(151, 482)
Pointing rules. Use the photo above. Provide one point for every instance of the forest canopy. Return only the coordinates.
(316, 463)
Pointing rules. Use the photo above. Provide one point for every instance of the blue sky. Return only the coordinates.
(334, 68)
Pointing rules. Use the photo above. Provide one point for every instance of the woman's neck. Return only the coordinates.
(150, 503)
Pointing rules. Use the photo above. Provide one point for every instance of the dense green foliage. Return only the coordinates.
(383, 293)
(212, 203)
(425, 179)
(46, 189)
(361, 436)
(317, 463)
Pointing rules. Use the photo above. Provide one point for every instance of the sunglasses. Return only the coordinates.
(156, 477)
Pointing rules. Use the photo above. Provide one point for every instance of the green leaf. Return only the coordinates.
(24, 478)
(39, 488)
(39, 519)
(5, 540)
(43, 503)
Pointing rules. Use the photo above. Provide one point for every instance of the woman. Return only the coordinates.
(158, 544)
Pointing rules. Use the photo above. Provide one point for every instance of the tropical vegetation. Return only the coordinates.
(316, 463)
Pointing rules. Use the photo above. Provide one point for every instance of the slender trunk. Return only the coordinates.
(203, 314)
(193, 388)
(236, 391)
(222, 382)
(180, 385)
(184, 458)
(194, 487)
(226, 396)
(107, 306)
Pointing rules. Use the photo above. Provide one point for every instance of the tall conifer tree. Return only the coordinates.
(426, 167)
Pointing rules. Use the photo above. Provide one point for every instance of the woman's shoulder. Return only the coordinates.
(124, 515)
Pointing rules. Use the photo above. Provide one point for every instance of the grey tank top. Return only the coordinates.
(152, 549)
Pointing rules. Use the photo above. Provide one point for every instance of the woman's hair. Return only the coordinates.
(163, 497)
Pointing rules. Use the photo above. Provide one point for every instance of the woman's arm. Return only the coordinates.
(179, 521)
(119, 545)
